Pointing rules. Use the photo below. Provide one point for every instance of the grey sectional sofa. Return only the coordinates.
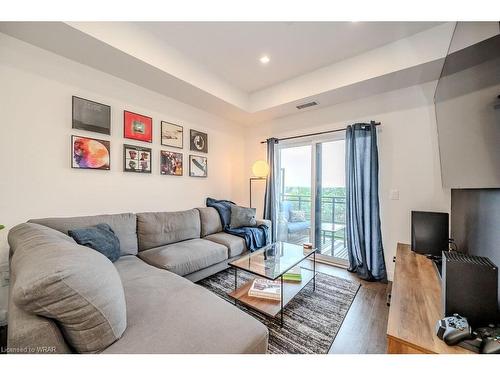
(67, 298)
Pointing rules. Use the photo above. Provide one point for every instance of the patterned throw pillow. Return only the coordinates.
(297, 216)
(242, 217)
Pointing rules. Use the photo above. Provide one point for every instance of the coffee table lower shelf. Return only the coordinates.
(271, 307)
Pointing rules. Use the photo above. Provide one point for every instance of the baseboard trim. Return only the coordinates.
(331, 263)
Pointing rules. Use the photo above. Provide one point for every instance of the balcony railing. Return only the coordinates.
(331, 241)
(332, 207)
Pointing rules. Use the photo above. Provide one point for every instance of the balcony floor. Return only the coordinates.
(339, 249)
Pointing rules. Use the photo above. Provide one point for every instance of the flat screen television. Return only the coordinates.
(429, 232)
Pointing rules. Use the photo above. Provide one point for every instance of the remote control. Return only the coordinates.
(491, 345)
(453, 329)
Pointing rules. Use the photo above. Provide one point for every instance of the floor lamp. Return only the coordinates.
(260, 171)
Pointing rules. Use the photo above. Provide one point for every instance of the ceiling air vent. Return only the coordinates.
(305, 105)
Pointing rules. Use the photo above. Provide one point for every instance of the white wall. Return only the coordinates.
(408, 152)
(36, 178)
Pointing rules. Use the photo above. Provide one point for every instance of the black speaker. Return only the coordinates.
(469, 288)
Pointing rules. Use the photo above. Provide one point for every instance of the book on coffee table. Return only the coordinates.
(268, 289)
(295, 274)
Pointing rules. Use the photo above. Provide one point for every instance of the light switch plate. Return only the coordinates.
(394, 194)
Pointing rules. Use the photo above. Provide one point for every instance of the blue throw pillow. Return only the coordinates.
(100, 238)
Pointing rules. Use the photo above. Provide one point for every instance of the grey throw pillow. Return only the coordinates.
(242, 217)
(297, 216)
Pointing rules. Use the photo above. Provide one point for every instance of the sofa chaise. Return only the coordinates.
(67, 298)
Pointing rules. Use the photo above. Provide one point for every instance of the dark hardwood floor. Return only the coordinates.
(364, 328)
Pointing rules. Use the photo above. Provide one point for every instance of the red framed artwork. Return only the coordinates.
(138, 127)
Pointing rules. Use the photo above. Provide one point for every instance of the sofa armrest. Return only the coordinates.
(268, 224)
(265, 222)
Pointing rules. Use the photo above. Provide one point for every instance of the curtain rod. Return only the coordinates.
(319, 133)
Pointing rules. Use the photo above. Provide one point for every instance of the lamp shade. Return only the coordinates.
(260, 168)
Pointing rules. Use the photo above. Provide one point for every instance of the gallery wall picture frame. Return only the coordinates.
(90, 153)
(171, 163)
(137, 127)
(90, 115)
(198, 141)
(172, 135)
(198, 166)
(137, 159)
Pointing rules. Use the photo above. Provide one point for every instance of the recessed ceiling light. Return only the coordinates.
(264, 59)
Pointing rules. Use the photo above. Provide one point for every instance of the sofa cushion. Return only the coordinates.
(210, 221)
(124, 226)
(185, 257)
(162, 228)
(72, 284)
(168, 314)
(297, 216)
(296, 227)
(235, 244)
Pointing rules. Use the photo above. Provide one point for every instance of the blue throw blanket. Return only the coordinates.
(255, 237)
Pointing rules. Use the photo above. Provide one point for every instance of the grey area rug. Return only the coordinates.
(311, 319)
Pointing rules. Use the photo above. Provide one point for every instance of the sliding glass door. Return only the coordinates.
(312, 195)
(295, 186)
(330, 232)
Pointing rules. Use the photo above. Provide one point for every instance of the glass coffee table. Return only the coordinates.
(271, 263)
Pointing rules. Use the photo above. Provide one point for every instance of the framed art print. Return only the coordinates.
(89, 153)
(198, 141)
(136, 159)
(171, 163)
(198, 166)
(91, 116)
(138, 127)
(172, 135)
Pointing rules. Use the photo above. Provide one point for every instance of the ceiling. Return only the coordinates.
(231, 50)
(215, 66)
